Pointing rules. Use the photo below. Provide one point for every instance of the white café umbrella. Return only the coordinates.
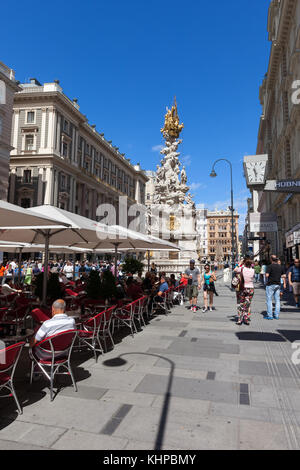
(17, 224)
(123, 239)
(90, 234)
(16, 217)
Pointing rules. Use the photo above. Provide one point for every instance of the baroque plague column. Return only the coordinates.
(172, 214)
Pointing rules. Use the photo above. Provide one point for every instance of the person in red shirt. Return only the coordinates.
(134, 290)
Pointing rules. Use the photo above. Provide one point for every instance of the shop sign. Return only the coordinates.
(289, 240)
(290, 186)
(263, 222)
(297, 238)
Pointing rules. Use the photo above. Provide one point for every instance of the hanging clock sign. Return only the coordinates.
(255, 168)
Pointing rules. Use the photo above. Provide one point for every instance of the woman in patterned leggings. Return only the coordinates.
(245, 296)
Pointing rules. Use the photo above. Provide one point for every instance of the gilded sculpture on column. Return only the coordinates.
(172, 126)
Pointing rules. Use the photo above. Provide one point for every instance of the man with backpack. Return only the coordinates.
(294, 280)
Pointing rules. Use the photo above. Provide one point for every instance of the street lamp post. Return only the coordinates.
(214, 175)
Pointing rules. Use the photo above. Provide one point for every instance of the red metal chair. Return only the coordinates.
(125, 315)
(140, 309)
(144, 306)
(105, 326)
(89, 333)
(53, 352)
(71, 293)
(8, 361)
(3, 312)
(162, 303)
(39, 316)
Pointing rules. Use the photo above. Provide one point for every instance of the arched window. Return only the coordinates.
(2, 92)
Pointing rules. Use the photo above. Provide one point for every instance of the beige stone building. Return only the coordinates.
(279, 129)
(8, 87)
(219, 235)
(60, 159)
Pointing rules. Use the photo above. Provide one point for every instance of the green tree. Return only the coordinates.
(132, 265)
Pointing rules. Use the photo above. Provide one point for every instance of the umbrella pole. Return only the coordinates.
(45, 279)
(148, 260)
(116, 255)
(20, 262)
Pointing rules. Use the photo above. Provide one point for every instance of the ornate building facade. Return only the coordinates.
(279, 128)
(8, 87)
(60, 159)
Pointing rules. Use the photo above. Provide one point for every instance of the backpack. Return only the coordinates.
(237, 282)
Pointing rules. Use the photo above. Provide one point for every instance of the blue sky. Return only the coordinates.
(126, 60)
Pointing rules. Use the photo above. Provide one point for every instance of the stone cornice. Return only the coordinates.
(15, 87)
(286, 16)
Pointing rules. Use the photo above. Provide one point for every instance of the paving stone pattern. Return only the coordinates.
(188, 381)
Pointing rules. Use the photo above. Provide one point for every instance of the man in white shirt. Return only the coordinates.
(57, 324)
(6, 289)
(68, 270)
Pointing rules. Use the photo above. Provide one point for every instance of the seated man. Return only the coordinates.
(163, 287)
(57, 324)
(7, 288)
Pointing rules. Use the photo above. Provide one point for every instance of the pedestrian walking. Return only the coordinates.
(257, 269)
(28, 275)
(226, 274)
(245, 292)
(294, 280)
(263, 273)
(192, 274)
(274, 274)
(208, 282)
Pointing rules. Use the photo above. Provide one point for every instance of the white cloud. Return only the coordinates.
(157, 148)
(186, 160)
(195, 186)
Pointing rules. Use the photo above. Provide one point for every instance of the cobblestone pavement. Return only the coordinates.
(187, 381)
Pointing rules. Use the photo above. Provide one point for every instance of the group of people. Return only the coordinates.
(193, 282)
(275, 278)
(29, 269)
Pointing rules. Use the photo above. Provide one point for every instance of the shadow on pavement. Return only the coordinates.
(120, 361)
(260, 336)
(290, 335)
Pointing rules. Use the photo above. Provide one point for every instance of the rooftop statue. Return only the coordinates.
(172, 127)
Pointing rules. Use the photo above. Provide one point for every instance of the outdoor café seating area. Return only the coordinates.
(25, 308)
(97, 324)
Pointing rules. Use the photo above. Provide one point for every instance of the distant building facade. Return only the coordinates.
(8, 87)
(58, 158)
(219, 235)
